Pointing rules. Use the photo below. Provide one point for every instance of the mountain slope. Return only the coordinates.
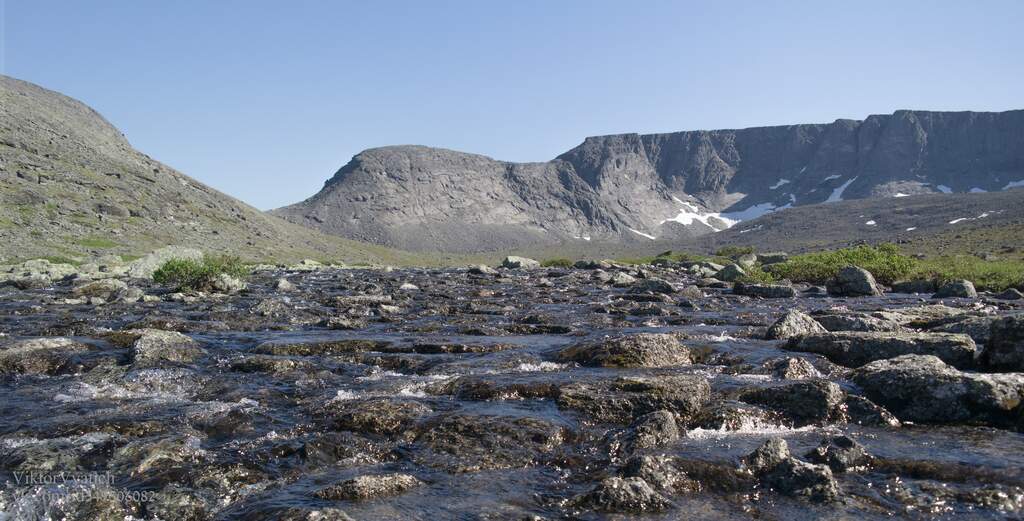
(632, 188)
(71, 185)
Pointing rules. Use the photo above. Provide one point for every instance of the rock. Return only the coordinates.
(772, 258)
(282, 284)
(730, 273)
(790, 368)
(1010, 294)
(650, 430)
(638, 350)
(153, 346)
(107, 289)
(793, 323)
(957, 289)
(514, 262)
(143, 268)
(764, 290)
(854, 349)
(853, 281)
(861, 411)
(840, 320)
(363, 488)
(840, 453)
(652, 285)
(796, 478)
(227, 284)
(747, 261)
(922, 388)
(42, 356)
(463, 442)
(914, 286)
(385, 416)
(482, 270)
(766, 457)
(733, 416)
(626, 398)
(624, 495)
(592, 265)
(661, 472)
(1005, 348)
(408, 287)
(805, 402)
(691, 292)
(621, 279)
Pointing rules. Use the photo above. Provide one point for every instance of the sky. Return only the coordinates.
(266, 100)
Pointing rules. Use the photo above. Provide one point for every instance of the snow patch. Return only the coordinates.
(778, 184)
(871, 223)
(1014, 184)
(977, 190)
(642, 234)
(912, 228)
(945, 189)
(837, 194)
(901, 194)
(954, 221)
(831, 177)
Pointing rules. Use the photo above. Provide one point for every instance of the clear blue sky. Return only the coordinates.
(265, 100)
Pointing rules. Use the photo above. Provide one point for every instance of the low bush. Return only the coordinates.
(733, 252)
(885, 262)
(188, 274)
(995, 275)
(757, 275)
(557, 263)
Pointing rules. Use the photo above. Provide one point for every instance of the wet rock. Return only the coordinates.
(648, 431)
(227, 284)
(626, 398)
(42, 356)
(284, 285)
(482, 270)
(914, 286)
(793, 323)
(731, 415)
(621, 279)
(624, 495)
(345, 449)
(143, 268)
(270, 364)
(861, 411)
(462, 442)
(766, 457)
(764, 290)
(691, 292)
(854, 349)
(344, 323)
(387, 416)
(332, 347)
(790, 368)
(956, 289)
(661, 472)
(514, 262)
(639, 350)
(305, 514)
(730, 273)
(653, 285)
(1010, 294)
(177, 503)
(840, 453)
(804, 401)
(1005, 348)
(978, 328)
(833, 320)
(153, 346)
(368, 487)
(853, 281)
(922, 388)
(796, 478)
(107, 289)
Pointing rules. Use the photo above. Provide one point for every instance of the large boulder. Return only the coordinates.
(106, 289)
(42, 356)
(781, 472)
(805, 402)
(854, 349)
(145, 267)
(514, 262)
(623, 495)
(764, 290)
(653, 285)
(153, 347)
(957, 289)
(793, 323)
(730, 273)
(1005, 348)
(853, 281)
(638, 350)
(624, 399)
(923, 388)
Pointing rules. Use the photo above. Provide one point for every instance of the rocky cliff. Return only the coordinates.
(634, 187)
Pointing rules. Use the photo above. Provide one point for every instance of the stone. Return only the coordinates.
(464, 442)
(143, 268)
(764, 290)
(227, 284)
(956, 289)
(626, 398)
(923, 388)
(152, 347)
(793, 323)
(42, 356)
(853, 281)
(368, 487)
(841, 320)
(791, 368)
(772, 258)
(841, 454)
(914, 286)
(661, 472)
(514, 262)
(621, 279)
(731, 415)
(1005, 348)
(481, 270)
(806, 402)
(1010, 294)
(730, 273)
(653, 286)
(284, 285)
(766, 457)
(624, 495)
(800, 479)
(854, 349)
(637, 350)
(107, 289)
(861, 411)
(747, 261)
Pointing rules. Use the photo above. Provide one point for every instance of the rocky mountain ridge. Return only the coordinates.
(672, 186)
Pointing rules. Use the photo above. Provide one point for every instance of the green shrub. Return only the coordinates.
(885, 262)
(757, 275)
(557, 263)
(995, 275)
(189, 274)
(734, 251)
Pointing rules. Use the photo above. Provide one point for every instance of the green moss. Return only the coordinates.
(199, 274)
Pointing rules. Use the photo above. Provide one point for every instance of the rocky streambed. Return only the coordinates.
(602, 392)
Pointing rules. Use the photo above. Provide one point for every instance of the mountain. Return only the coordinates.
(72, 185)
(635, 188)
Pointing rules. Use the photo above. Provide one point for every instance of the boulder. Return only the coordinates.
(143, 268)
(793, 323)
(637, 350)
(153, 347)
(481, 270)
(363, 488)
(841, 453)
(957, 289)
(853, 281)
(107, 289)
(624, 399)
(764, 290)
(733, 416)
(790, 368)
(841, 320)
(1010, 294)
(1005, 348)
(621, 279)
(227, 284)
(914, 286)
(661, 472)
(803, 480)
(805, 402)
(514, 262)
(623, 495)
(730, 273)
(284, 285)
(42, 356)
(747, 261)
(854, 349)
(653, 286)
(772, 258)
(923, 388)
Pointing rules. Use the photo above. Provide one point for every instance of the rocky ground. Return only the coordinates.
(596, 392)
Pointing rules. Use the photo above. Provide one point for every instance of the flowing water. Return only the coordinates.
(458, 386)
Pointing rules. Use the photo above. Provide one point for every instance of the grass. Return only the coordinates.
(199, 274)
(60, 259)
(96, 242)
(994, 275)
(557, 263)
(885, 262)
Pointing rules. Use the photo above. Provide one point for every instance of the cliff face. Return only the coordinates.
(634, 187)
